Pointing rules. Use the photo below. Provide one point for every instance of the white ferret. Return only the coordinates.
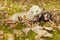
(34, 10)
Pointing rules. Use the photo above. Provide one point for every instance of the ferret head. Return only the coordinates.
(34, 10)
